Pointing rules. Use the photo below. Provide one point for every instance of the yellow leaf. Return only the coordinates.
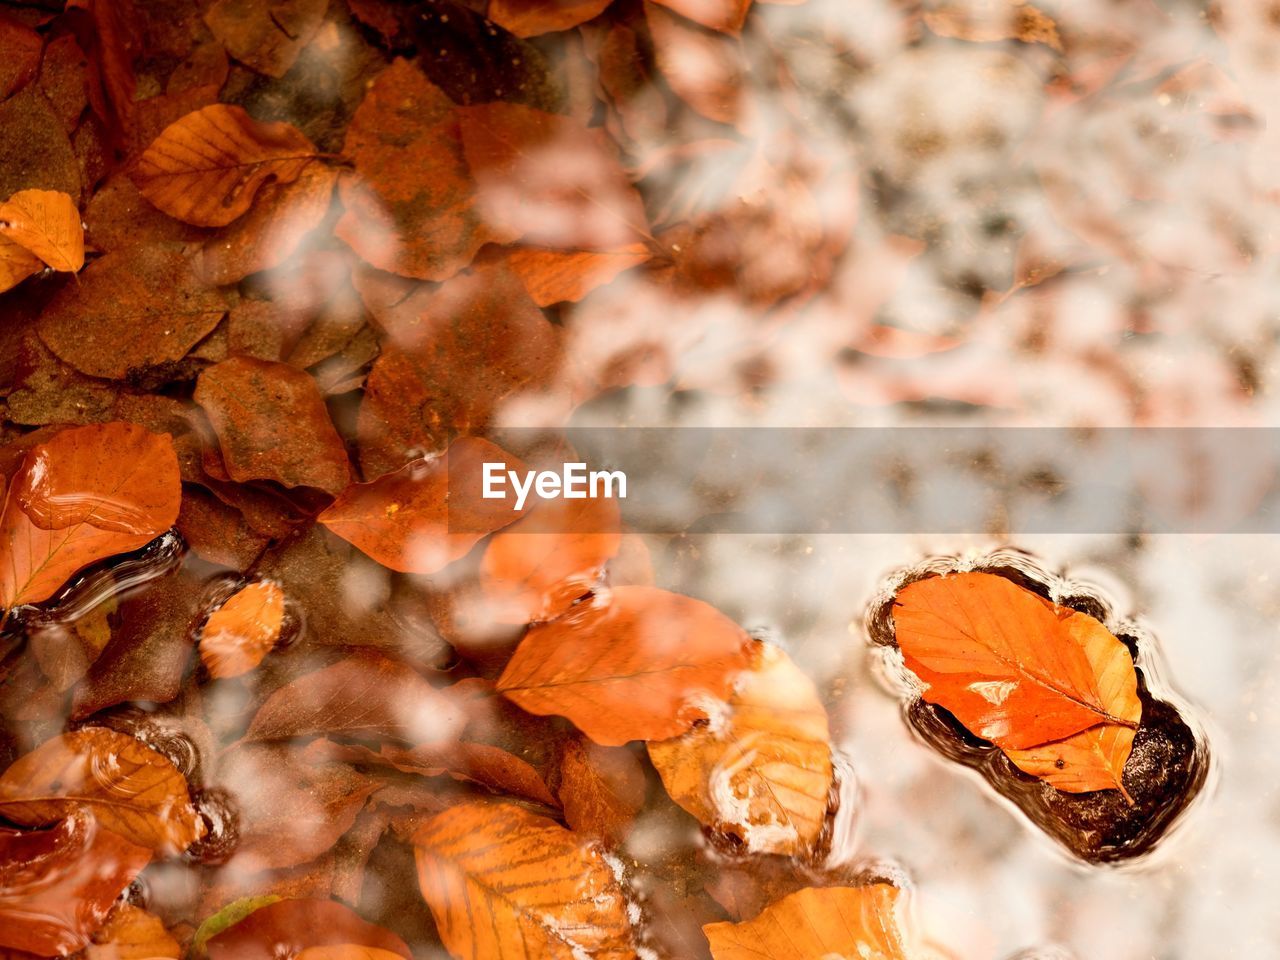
(47, 223)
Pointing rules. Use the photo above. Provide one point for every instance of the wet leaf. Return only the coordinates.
(149, 308)
(538, 566)
(549, 179)
(35, 153)
(1021, 672)
(455, 354)
(727, 16)
(228, 916)
(266, 36)
(20, 49)
(288, 927)
(131, 933)
(131, 789)
(556, 276)
(427, 514)
(502, 883)
(415, 219)
(66, 648)
(368, 696)
(762, 770)
(272, 424)
(206, 168)
(530, 18)
(216, 532)
(243, 630)
(817, 924)
(57, 885)
(114, 476)
(346, 951)
(707, 70)
(601, 788)
(636, 663)
(47, 223)
(16, 264)
(985, 21)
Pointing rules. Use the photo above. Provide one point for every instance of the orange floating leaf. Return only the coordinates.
(817, 923)
(1023, 673)
(504, 884)
(16, 264)
(427, 514)
(243, 630)
(206, 168)
(131, 789)
(57, 885)
(131, 933)
(47, 223)
(636, 663)
(762, 771)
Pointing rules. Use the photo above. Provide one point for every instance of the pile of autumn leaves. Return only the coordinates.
(737, 733)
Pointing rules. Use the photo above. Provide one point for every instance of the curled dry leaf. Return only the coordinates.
(206, 168)
(367, 696)
(427, 514)
(817, 923)
(266, 36)
(131, 789)
(243, 630)
(531, 18)
(557, 276)
(57, 885)
(288, 927)
(34, 561)
(272, 424)
(416, 219)
(132, 933)
(148, 306)
(47, 223)
(761, 771)
(505, 884)
(636, 663)
(1042, 682)
(601, 789)
(538, 566)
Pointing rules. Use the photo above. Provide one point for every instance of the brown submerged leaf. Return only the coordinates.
(57, 885)
(637, 663)
(206, 168)
(243, 630)
(288, 927)
(47, 223)
(531, 18)
(601, 789)
(132, 933)
(817, 924)
(557, 276)
(131, 789)
(504, 884)
(1023, 673)
(762, 771)
(266, 36)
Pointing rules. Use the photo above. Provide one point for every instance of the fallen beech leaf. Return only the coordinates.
(538, 566)
(985, 21)
(243, 630)
(283, 217)
(418, 219)
(531, 18)
(216, 532)
(706, 70)
(455, 353)
(601, 788)
(16, 264)
(727, 16)
(635, 664)
(346, 951)
(148, 307)
(35, 562)
(228, 916)
(206, 168)
(1021, 672)
(817, 923)
(57, 885)
(66, 648)
(47, 223)
(114, 476)
(35, 152)
(20, 49)
(549, 179)
(761, 772)
(266, 36)
(131, 933)
(367, 696)
(272, 424)
(503, 884)
(130, 788)
(427, 514)
(556, 276)
(288, 927)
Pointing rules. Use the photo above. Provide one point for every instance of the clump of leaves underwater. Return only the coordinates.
(278, 278)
